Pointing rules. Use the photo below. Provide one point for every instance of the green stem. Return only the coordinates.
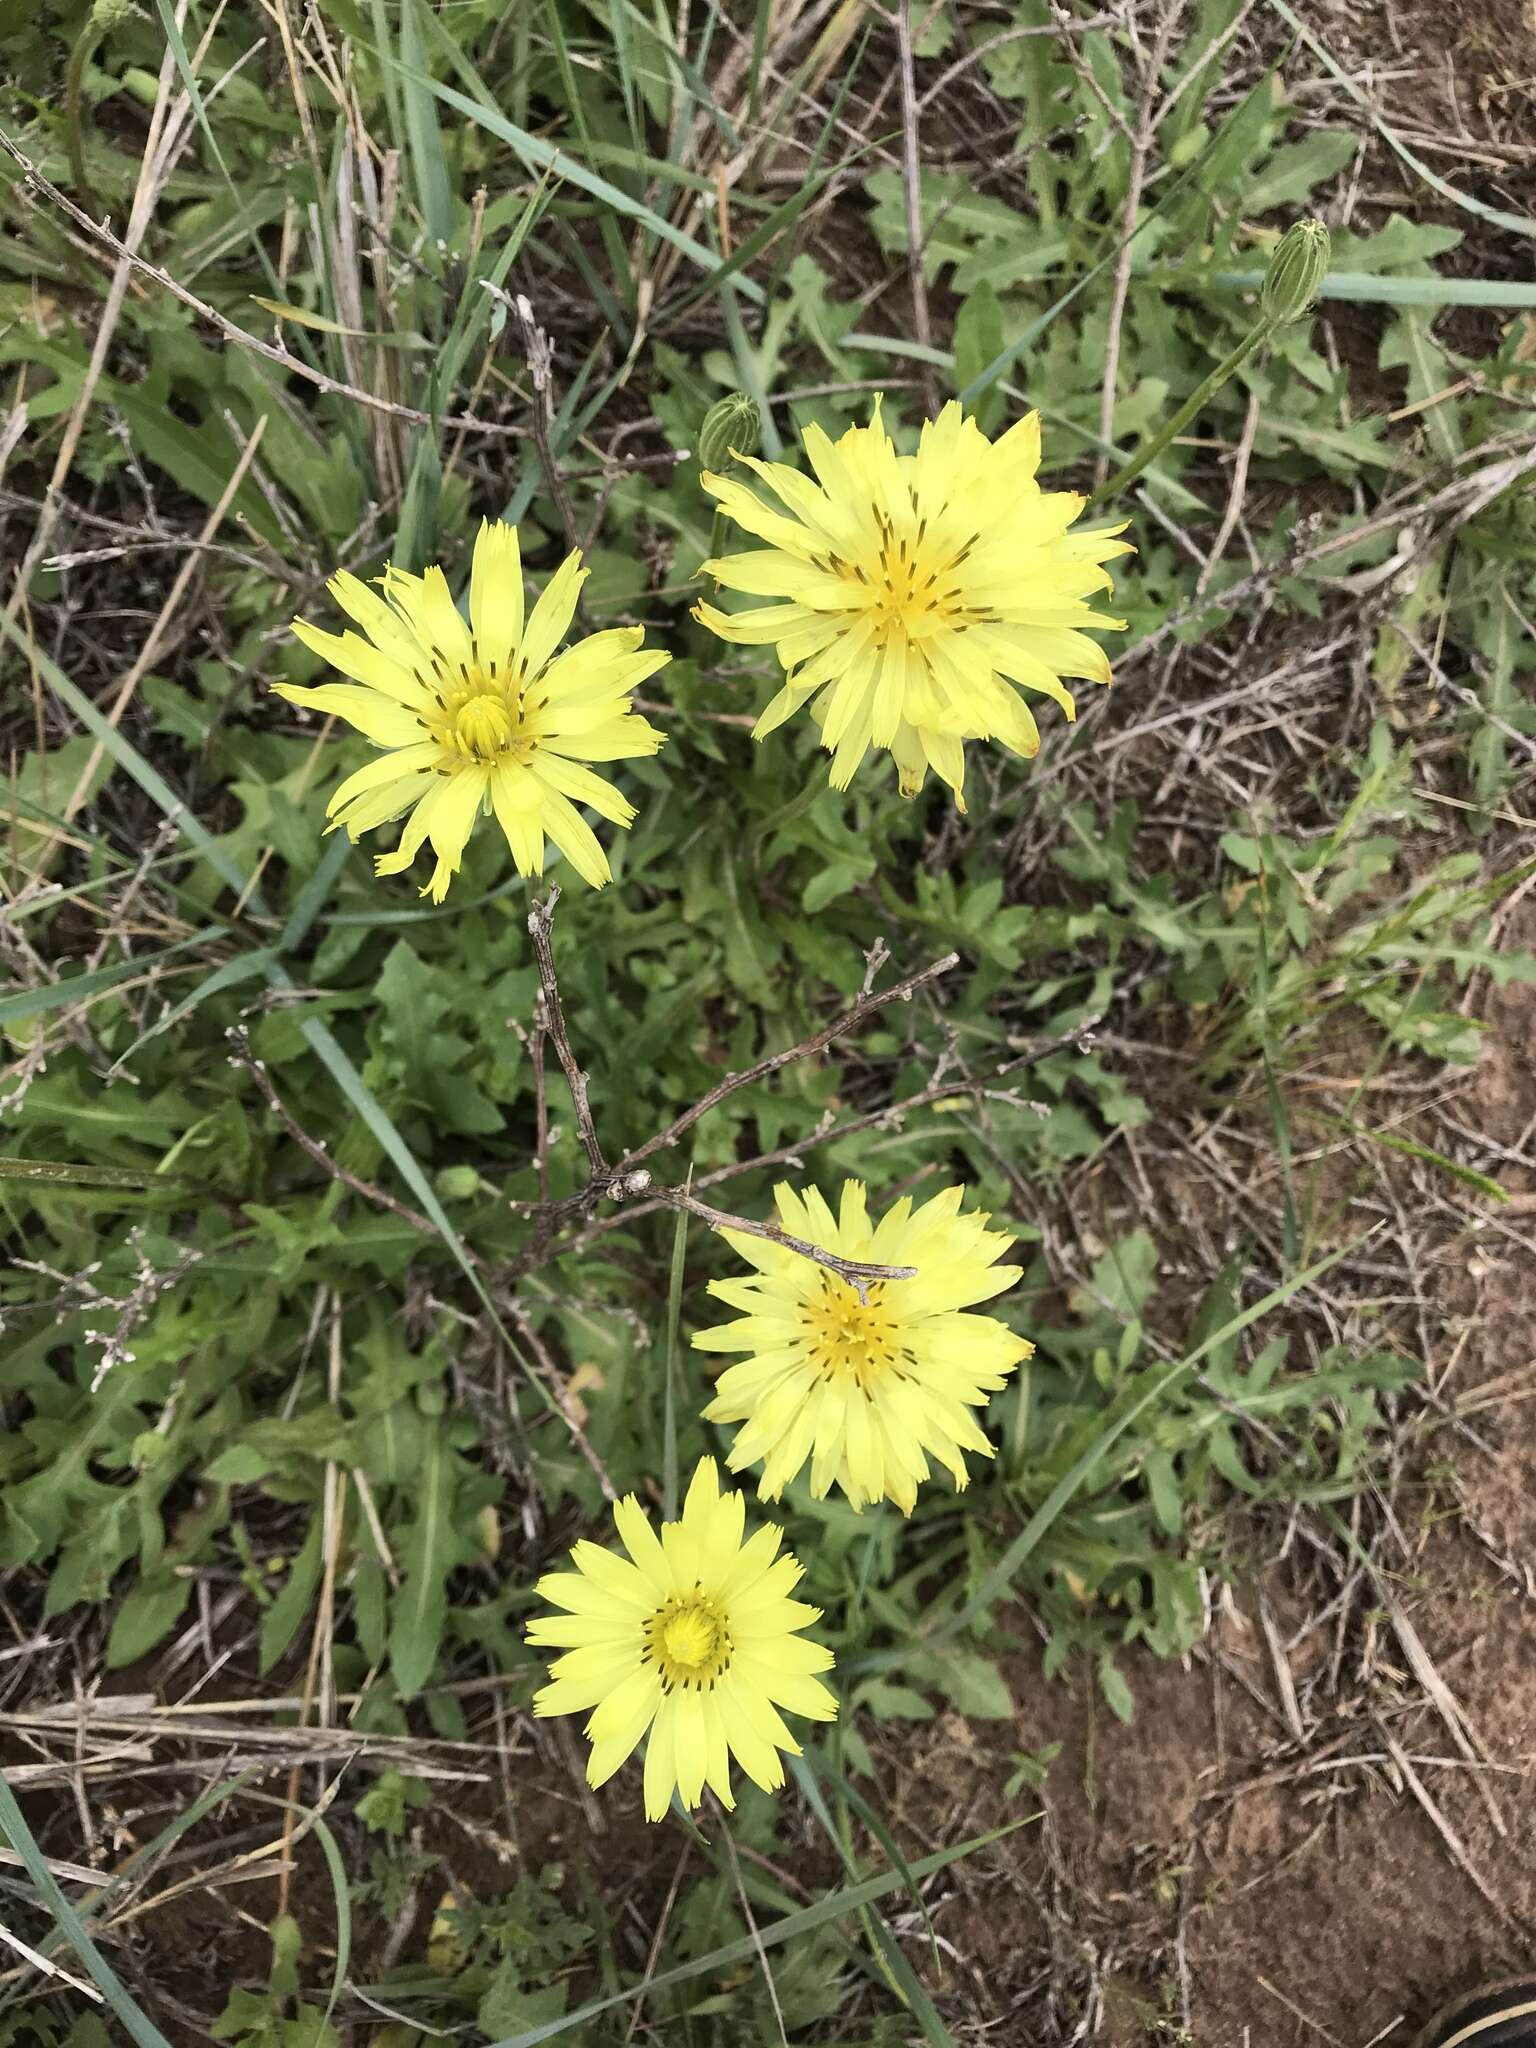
(1228, 367)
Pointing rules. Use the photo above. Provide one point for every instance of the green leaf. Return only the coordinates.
(146, 1617)
(971, 1683)
(282, 1618)
(1293, 171)
(421, 1605)
(1116, 1692)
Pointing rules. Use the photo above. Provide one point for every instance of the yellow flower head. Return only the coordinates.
(915, 592)
(483, 717)
(867, 1390)
(692, 1636)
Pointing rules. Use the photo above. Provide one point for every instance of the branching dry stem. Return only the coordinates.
(630, 1181)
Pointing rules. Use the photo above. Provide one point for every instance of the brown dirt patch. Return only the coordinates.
(1249, 1861)
(1464, 73)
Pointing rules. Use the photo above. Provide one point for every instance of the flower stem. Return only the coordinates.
(1225, 369)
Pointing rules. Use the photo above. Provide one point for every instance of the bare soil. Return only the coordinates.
(1252, 1860)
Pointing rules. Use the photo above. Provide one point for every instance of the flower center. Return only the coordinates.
(855, 1340)
(482, 727)
(913, 582)
(689, 1641)
(908, 586)
(689, 1638)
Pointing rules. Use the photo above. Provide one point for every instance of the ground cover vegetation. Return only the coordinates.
(367, 1247)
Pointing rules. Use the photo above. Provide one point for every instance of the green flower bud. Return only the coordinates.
(1296, 270)
(731, 428)
(107, 15)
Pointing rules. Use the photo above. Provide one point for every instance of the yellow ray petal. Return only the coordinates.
(496, 591)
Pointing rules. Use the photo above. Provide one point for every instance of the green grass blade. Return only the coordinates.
(673, 1366)
(14, 1827)
(315, 894)
(1366, 286)
(848, 1900)
(780, 221)
(244, 967)
(37, 1002)
(423, 137)
(893, 1964)
(535, 152)
(63, 1173)
(343, 1896)
(1000, 1577)
(127, 756)
(183, 61)
(1394, 1141)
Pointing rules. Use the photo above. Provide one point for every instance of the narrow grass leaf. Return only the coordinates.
(428, 167)
(535, 151)
(342, 1893)
(673, 1367)
(1366, 286)
(891, 1963)
(14, 1827)
(823, 1767)
(244, 967)
(74, 988)
(848, 1900)
(1394, 1141)
(64, 1173)
(1002, 1574)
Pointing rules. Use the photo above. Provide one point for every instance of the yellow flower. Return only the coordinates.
(916, 591)
(867, 1390)
(692, 1636)
(483, 717)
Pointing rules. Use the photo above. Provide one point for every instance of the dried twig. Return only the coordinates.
(540, 925)
(628, 1181)
(540, 367)
(911, 183)
(859, 1273)
(849, 1020)
(888, 1118)
(1446, 1832)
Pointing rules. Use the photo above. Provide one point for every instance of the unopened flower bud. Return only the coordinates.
(1296, 271)
(108, 15)
(731, 428)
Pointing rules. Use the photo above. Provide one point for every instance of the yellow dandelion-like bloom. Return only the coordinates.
(866, 1390)
(916, 591)
(692, 1637)
(482, 717)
